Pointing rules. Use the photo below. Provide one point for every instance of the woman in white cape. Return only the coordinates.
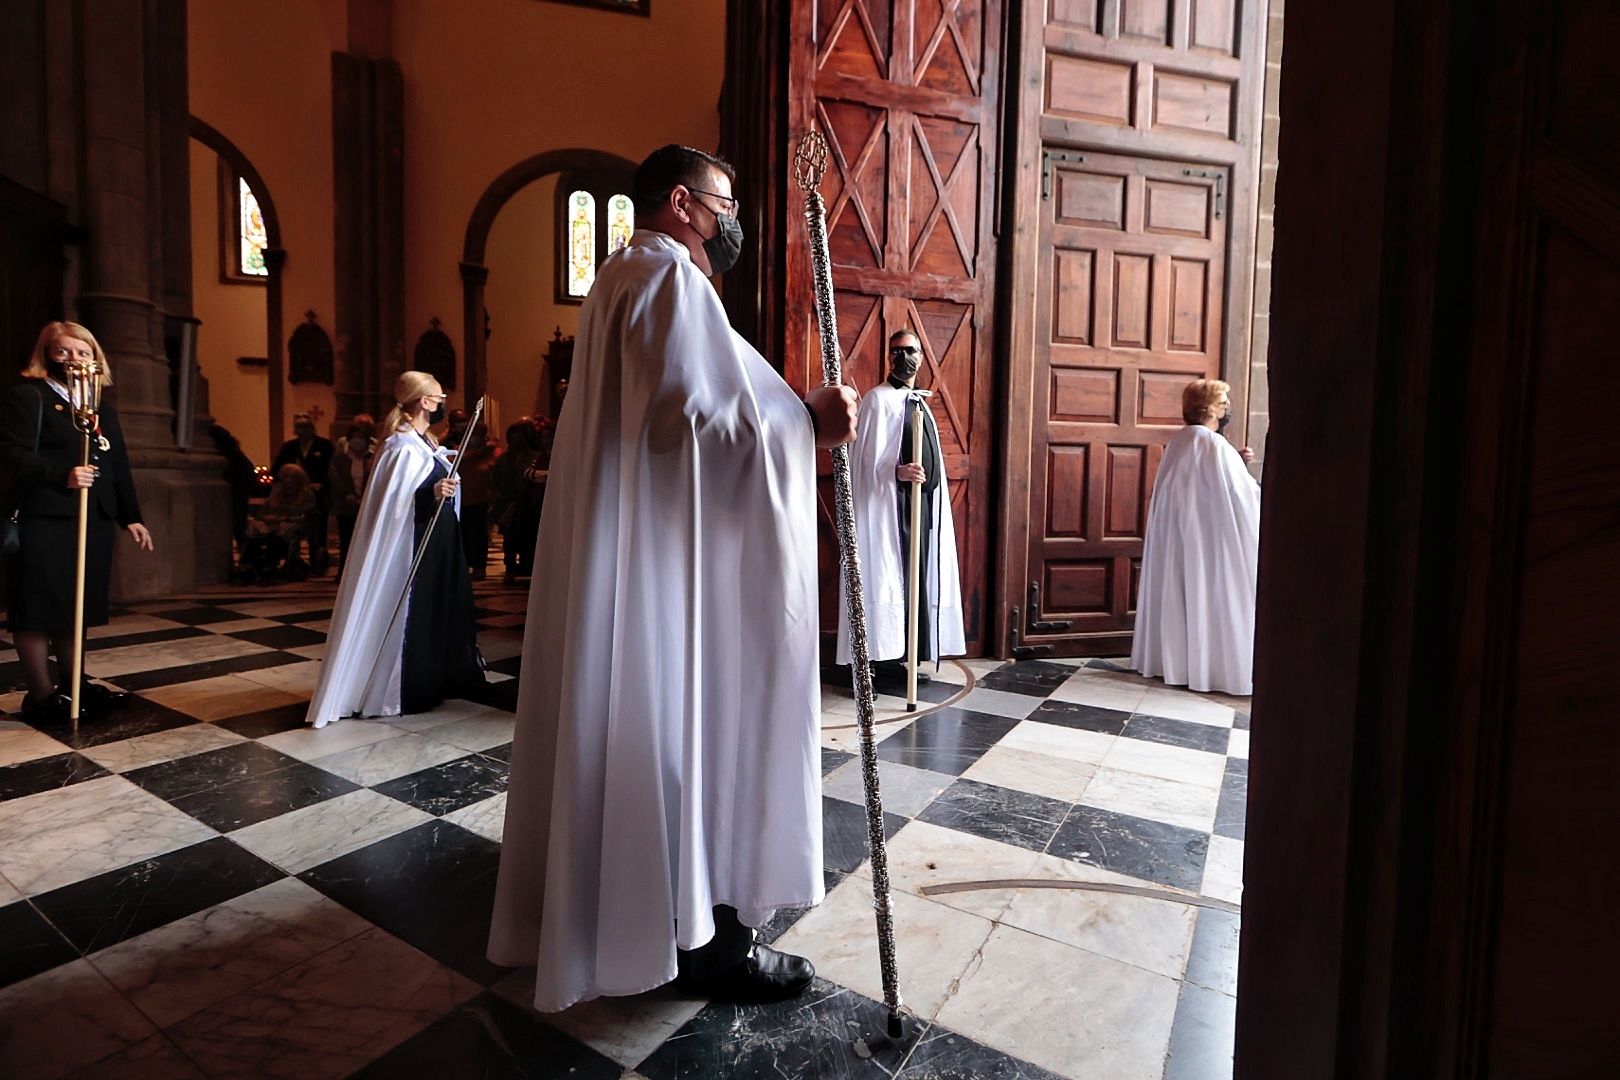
(431, 649)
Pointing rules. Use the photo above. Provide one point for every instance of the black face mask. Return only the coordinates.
(436, 415)
(905, 362)
(1220, 425)
(724, 248)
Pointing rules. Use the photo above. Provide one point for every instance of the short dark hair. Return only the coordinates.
(673, 165)
(903, 332)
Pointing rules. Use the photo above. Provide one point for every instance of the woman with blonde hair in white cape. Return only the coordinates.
(430, 652)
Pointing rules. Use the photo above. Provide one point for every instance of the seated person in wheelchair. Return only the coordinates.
(273, 529)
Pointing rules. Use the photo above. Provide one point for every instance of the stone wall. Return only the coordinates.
(1259, 418)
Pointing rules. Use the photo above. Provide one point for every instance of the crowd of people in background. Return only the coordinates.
(280, 516)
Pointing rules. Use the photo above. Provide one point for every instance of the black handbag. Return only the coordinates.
(11, 527)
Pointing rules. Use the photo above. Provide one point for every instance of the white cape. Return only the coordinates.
(1195, 610)
(872, 461)
(373, 578)
(666, 756)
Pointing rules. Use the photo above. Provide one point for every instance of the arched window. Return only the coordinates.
(595, 218)
(242, 233)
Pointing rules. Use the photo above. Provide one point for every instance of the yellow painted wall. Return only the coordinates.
(521, 297)
(260, 73)
(489, 83)
(233, 320)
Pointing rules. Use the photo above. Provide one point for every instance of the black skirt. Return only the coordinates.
(441, 635)
(41, 573)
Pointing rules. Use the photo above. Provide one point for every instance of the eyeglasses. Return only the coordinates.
(736, 206)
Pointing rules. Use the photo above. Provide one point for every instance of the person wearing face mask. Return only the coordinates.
(346, 482)
(1195, 606)
(882, 471)
(665, 793)
(375, 664)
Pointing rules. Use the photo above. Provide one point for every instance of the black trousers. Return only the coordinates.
(475, 535)
(728, 948)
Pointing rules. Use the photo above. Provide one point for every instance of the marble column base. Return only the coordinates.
(187, 507)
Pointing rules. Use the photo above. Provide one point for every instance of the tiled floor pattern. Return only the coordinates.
(200, 886)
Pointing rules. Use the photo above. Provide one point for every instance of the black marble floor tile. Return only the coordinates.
(828, 1033)
(134, 717)
(489, 1038)
(184, 673)
(1213, 960)
(450, 786)
(1151, 850)
(1035, 678)
(31, 945)
(832, 758)
(432, 886)
(936, 692)
(1231, 812)
(499, 753)
(1184, 733)
(1081, 717)
(281, 637)
(1202, 1035)
(1108, 665)
(1240, 721)
(844, 839)
(508, 666)
(43, 774)
(498, 695)
(942, 1054)
(199, 616)
(111, 907)
(784, 918)
(146, 637)
(256, 725)
(997, 813)
(948, 740)
(236, 786)
(302, 616)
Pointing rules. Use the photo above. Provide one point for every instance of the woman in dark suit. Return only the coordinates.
(39, 452)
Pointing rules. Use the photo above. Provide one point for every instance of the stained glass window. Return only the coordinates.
(250, 230)
(581, 242)
(621, 222)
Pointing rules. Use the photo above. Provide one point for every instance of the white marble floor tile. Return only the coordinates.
(981, 666)
(1086, 1016)
(1237, 744)
(298, 679)
(1040, 774)
(153, 1058)
(515, 603)
(8, 892)
(497, 677)
(327, 1016)
(315, 834)
(843, 735)
(999, 703)
(1071, 744)
(65, 834)
(124, 625)
(922, 854)
(387, 758)
(1151, 934)
(237, 626)
(308, 743)
(186, 966)
(1186, 705)
(1167, 762)
(12, 700)
(20, 743)
(62, 1020)
(220, 697)
(500, 646)
(626, 1029)
(905, 790)
(486, 818)
(265, 609)
(1191, 806)
(952, 671)
(481, 731)
(122, 757)
(310, 652)
(446, 711)
(938, 943)
(111, 663)
(1223, 869)
(1089, 688)
(320, 626)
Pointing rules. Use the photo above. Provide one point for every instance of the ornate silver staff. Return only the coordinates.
(809, 166)
(421, 549)
(914, 552)
(84, 396)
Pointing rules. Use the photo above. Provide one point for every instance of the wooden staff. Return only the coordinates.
(84, 395)
(914, 557)
(809, 166)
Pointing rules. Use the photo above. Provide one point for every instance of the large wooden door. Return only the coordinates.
(1134, 232)
(908, 94)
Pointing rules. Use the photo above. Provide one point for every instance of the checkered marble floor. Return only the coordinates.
(200, 886)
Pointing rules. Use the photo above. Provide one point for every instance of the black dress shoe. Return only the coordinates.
(765, 976)
(98, 697)
(47, 711)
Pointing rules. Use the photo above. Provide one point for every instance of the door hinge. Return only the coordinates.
(1220, 187)
(1049, 156)
(1037, 625)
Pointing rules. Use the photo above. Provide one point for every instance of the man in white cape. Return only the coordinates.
(665, 791)
(1195, 609)
(881, 472)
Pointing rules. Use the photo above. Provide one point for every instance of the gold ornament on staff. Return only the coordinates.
(84, 395)
(809, 166)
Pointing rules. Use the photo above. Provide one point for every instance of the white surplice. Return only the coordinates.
(1195, 610)
(666, 756)
(373, 578)
(880, 436)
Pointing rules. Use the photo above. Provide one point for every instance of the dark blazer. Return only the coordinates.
(340, 484)
(39, 480)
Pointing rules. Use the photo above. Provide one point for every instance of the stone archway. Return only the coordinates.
(275, 257)
(474, 271)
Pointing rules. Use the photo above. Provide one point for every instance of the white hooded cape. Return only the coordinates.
(379, 562)
(873, 458)
(666, 756)
(1195, 610)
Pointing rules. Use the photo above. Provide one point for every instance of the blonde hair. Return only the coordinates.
(39, 359)
(409, 390)
(1199, 398)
